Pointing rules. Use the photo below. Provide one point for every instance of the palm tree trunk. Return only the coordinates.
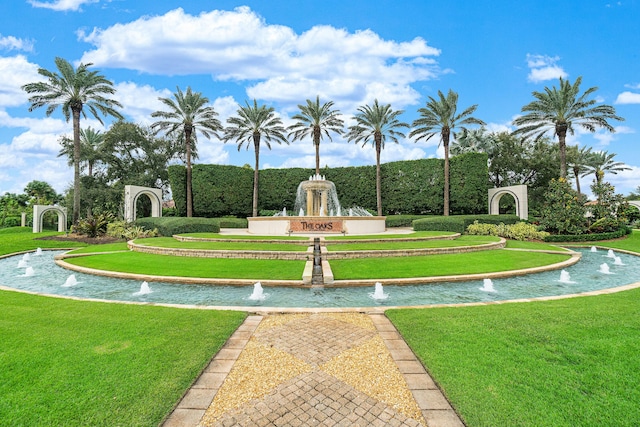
(256, 145)
(187, 137)
(561, 131)
(445, 143)
(577, 175)
(316, 142)
(378, 178)
(76, 165)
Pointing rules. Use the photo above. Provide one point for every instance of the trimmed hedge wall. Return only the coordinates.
(623, 231)
(412, 187)
(177, 225)
(459, 223)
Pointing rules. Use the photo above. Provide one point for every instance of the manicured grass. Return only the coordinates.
(392, 236)
(394, 245)
(170, 242)
(630, 243)
(441, 265)
(567, 363)
(164, 265)
(71, 363)
(16, 239)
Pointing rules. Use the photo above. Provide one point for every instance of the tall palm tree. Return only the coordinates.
(91, 146)
(316, 120)
(251, 123)
(600, 162)
(376, 123)
(72, 90)
(577, 160)
(558, 110)
(187, 113)
(439, 117)
(472, 141)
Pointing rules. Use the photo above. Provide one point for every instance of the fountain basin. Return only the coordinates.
(286, 225)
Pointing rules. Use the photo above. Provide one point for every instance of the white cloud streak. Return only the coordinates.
(61, 5)
(543, 68)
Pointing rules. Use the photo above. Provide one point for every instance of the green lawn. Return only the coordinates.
(170, 242)
(16, 239)
(441, 265)
(71, 363)
(392, 244)
(164, 265)
(241, 236)
(571, 362)
(393, 236)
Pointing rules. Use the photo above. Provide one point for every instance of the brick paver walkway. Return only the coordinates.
(315, 370)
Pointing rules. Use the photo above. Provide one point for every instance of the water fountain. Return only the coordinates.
(378, 293)
(71, 281)
(617, 261)
(38, 252)
(611, 254)
(144, 289)
(22, 264)
(29, 272)
(258, 293)
(319, 211)
(26, 257)
(604, 268)
(565, 277)
(594, 249)
(487, 286)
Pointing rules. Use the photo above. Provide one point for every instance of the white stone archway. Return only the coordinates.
(519, 193)
(131, 195)
(635, 203)
(38, 215)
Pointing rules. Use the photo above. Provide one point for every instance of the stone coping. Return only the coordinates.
(323, 241)
(303, 256)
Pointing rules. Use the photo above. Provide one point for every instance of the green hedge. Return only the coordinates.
(178, 225)
(401, 220)
(459, 223)
(233, 222)
(411, 187)
(623, 231)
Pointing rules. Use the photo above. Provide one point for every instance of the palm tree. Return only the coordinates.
(472, 141)
(558, 110)
(249, 126)
(72, 90)
(316, 120)
(439, 117)
(187, 113)
(375, 123)
(578, 160)
(600, 162)
(91, 146)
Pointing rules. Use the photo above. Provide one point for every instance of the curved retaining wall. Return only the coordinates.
(303, 256)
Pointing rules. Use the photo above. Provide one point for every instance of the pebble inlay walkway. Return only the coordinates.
(329, 369)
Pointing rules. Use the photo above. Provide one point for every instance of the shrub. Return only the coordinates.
(95, 225)
(605, 225)
(128, 231)
(517, 231)
(12, 221)
(401, 220)
(231, 222)
(622, 231)
(178, 225)
(563, 211)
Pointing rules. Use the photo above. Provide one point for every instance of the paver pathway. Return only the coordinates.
(328, 369)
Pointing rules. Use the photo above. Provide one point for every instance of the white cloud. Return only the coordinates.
(16, 71)
(14, 43)
(627, 97)
(239, 45)
(61, 5)
(544, 68)
(139, 102)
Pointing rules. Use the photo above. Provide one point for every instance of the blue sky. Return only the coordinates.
(493, 53)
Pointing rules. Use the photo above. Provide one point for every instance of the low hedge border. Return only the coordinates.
(459, 223)
(178, 225)
(623, 231)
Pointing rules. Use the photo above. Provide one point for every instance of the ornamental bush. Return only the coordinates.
(517, 231)
(563, 211)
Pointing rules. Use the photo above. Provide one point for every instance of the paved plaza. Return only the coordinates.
(314, 369)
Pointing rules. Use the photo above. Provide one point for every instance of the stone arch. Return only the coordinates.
(635, 203)
(519, 193)
(131, 195)
(38, 215)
